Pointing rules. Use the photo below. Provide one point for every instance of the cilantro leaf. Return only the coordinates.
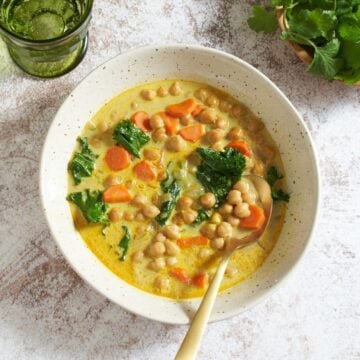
(83, 163)
(124, 243)
(280, 195)
(272, 176)
(131, 137)
(349, 27)
(350, 52)
(325, 63)
(91, 205)
(262, 20)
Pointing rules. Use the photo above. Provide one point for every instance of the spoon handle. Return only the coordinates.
(192, 340)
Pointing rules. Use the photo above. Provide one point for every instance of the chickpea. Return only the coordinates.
(178, 220)
(111, 180)
(218, 146)
(224, 230)
(171, 248)
(243, 186)
(213, 136)
(138, 256)
(204, 253)
(175, 143)
(151, 211)
(250, 198)
(189, 215)
(238, 111)
(216, 218)
(208, 116)
(142, 229)
(148, 94)
(171, 261)
(250, 164)
(134, 105)
(208, 200)
(102, 126)
(140, 201)
(95, 142)
(161, 175)
(209, 230)
(221, 123)
(162, 92)
(230, 271)
(242, 210)
(158, 264)
(235, 133)
(225, 209)
(160, 237)
(255, 125)
(162, 283)
(171, 231)
(201, 94)
(152, 154)
(115, 214)
(128, 215)
(224, 106)
(159, 135)
(175, 89)
(156, 122)
(234, 197)
(184, 202)
(186, 120)
(157, 249)
(212, 101)
(218, 243)
(233, 221)
(139, 217)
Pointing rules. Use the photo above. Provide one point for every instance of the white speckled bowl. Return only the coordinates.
(243, 82)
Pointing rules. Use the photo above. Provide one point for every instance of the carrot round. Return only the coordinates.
(192, 241)
(144, 170)
(171, 123)
(142, 120)
(116, 194)
(117, 158)
(198, 109)
(192, 133)
(200, 280)
(241, 146)
(255, 220)
(184, 108)
(181, 275)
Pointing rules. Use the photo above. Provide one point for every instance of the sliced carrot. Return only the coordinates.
(116, 194)
(255, 220)
(142, 120)
(171, 123)
(117, 158)
(200, 280)
(193, 133)
(198, 109)
(192, 241)
(184, 108)
(241, 146)
(144, 170)
(181, 275)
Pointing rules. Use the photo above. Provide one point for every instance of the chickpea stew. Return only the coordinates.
(156, 189)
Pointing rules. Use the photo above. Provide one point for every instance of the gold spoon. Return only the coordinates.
(192, 340)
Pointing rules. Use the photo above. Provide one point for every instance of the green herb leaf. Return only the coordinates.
(272, 176)
(202, 215)
(280, 195)
(130, 136)
(262, 20)
(83, 163)
(167, 207)
(325, 63)
(91, 205)
(349, 26)
(220, 170)
(124, 243)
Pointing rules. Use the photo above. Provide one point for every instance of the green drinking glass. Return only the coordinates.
(46, 38)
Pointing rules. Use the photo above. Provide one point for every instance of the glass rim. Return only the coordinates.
(55, 39)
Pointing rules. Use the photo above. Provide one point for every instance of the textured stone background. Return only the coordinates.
(46, 310)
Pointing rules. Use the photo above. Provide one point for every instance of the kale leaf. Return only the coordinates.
(130, 136)
(202, 215)
(124, 243)
(83, 163)
(279, 195)
(273, 175)
(168, 206)
(91, 205)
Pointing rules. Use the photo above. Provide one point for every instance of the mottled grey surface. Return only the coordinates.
(47, 312)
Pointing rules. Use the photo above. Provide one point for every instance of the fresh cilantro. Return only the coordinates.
(280, 195)
(91, 205)
(130, 136)
(124, 243)
(273, 175)
(262, 20)
(83, 163)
